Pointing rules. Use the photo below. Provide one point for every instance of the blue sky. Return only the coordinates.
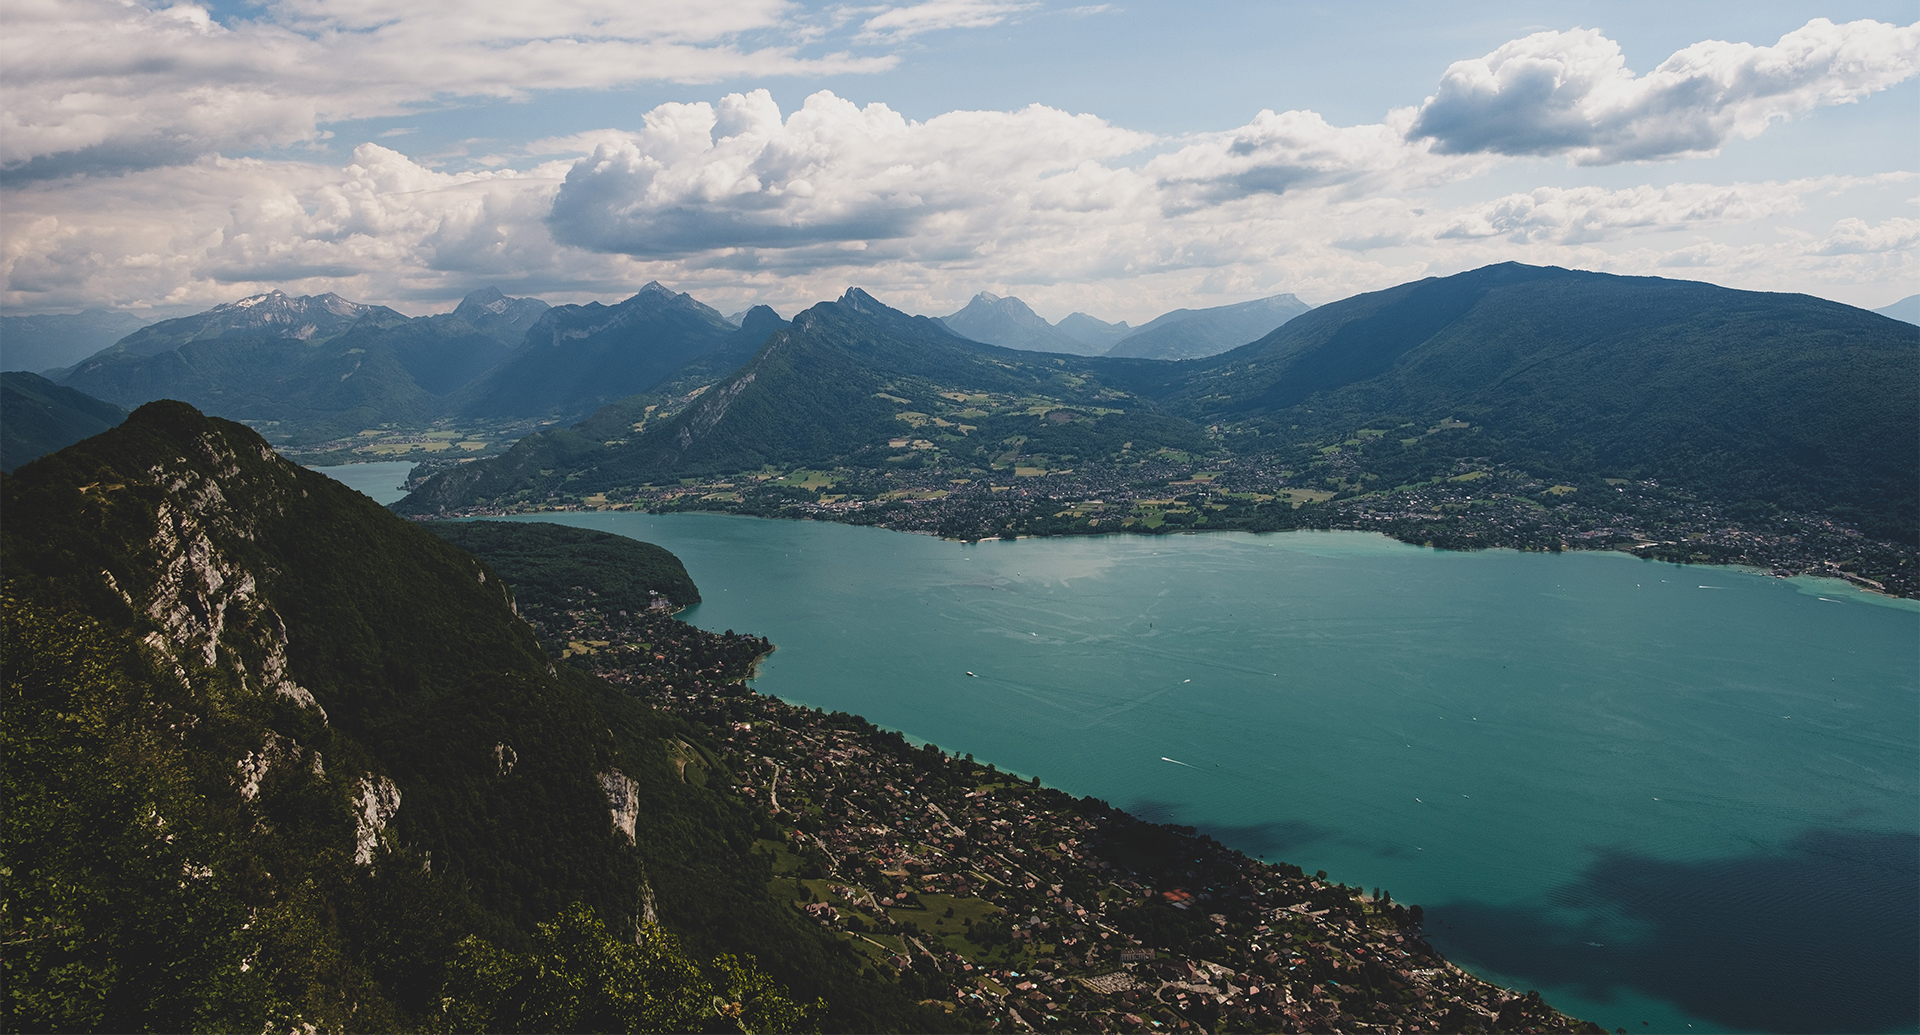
(1111, 158)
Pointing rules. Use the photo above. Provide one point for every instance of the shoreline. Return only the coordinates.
(1827, 572)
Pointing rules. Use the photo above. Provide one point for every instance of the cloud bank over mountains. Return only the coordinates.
(140, 168)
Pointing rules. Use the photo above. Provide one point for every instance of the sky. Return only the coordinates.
(1119, 159)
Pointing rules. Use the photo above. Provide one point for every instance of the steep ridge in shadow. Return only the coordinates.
(578, 358)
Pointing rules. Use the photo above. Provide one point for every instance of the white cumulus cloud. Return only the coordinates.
(1855, 236)
(739, 202)
(1571, 93)
(737, 175)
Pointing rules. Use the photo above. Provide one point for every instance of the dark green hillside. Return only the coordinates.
(38, 417)
(1765, 399)
(233, 374)
(272, 753)
(439, 353)
(578, 358)
(851, 382)
(554, 565)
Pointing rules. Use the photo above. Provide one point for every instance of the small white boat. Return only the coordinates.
(971, 674)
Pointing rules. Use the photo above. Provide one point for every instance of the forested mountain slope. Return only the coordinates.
(578, 358)
(1750, 396)
(272, 753)
(852, 381)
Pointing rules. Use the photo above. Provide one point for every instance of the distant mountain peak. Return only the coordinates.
(1011, 323)
(861, 302)
(487, 297)
(277, 301)
(253, 300)
(759, 317)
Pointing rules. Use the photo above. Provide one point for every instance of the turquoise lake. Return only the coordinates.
(1669, 798)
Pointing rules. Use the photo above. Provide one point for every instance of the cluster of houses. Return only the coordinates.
(1031, 910)
(1021, 906)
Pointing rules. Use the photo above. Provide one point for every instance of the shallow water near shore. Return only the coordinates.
(1669, 798)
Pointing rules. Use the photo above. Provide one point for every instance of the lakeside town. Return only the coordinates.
(1019, 907)
(1477, 504)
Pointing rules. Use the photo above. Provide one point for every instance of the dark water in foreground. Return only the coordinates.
(1679, 796)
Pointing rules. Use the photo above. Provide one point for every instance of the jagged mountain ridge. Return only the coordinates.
(274, 314)
(577, 358)
(335, 752)
(849, 381)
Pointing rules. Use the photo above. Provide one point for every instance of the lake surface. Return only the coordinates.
(1683, 796)
(379, 480)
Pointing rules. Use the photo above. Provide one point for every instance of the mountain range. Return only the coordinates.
(1180, 334)
(577, 358)
(307, 370)
(1009, 323)
(313, 368)
(1556, 370)
(1754, 399)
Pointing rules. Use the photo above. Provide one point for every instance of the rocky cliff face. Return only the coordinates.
(335, 689)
